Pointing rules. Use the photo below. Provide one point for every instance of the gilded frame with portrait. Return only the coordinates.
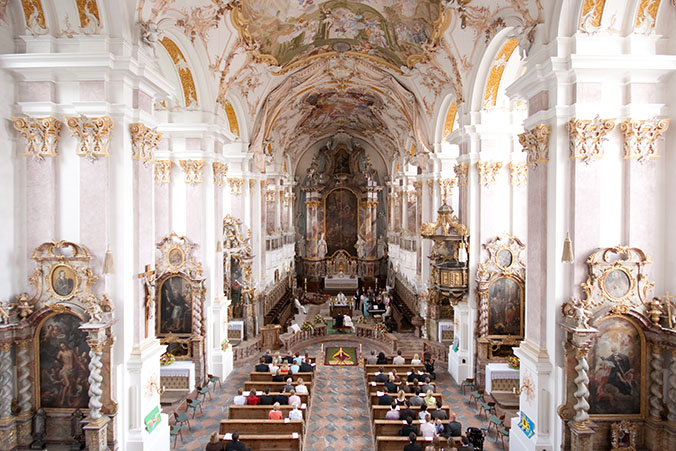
(63, 281)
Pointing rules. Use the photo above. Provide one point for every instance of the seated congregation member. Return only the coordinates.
(428, 361)
(275, 413)
(427, 386)
(284, 369)
(252, 399)
(274, 368)
(385, 400)
(422, 412)
(382, 376)
(398, 360)
(416, 400)
(429, 399)
(301, 389)
(397, 378)
(347, 322)
(434, 446)
(265, 398)
(235, 444)
(289, 386)
(427, 428)
(294, 398)
(338, 321)
(413, 374)
(465, 445)
(240, 399)
(412, 445)
(298, 359)
(439, 413)
(407, 412)
(439, 427)
(288, 358)
(278, 377)
(408, 428)
(401, 398)
(416, 360)
(295, 414)
(382, 360)
(214, 443)
(390, 386)
(262, 367)
(306, 367)
(294, 368)
(267, 358)
(393, 413)
(281, 399)
(372, 359)
(454, 428)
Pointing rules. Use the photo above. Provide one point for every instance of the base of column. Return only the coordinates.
(459, 365)
(96, 434)
(222, 363)
(581, 437)
(159, 439)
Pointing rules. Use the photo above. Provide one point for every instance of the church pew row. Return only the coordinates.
(374, 397)
(407, 359)
(396, 443)
(379, 412)
(263, 377)
(371, 377)
(261, 427)
(259, 412)
(305, 399)
(380, 386)
(401, 369)
(309, 359)
(392, 427)
(258, 442)
(274, 386)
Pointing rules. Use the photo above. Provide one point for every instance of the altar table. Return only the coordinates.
(341, 283)
(180, 375)
(495, 371)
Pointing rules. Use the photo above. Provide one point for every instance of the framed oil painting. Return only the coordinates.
(504, 258)
(63, 282)
(176, 258)
(63, 363)
(341, 221)
(175, 306)
(617, 283)
(505, 307)
(616, 364)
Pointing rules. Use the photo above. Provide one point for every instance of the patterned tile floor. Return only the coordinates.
(338, 415)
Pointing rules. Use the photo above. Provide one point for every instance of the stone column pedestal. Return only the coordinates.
(581, 437)
(96, 434)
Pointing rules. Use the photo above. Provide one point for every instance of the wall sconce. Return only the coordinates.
(108, 266)
(568, 256)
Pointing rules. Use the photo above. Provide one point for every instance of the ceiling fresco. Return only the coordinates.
(286, 33)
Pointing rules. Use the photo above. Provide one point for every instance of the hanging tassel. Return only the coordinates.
(568, 256)
(108, 266)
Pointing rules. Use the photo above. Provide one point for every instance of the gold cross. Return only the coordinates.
(147, 274)
(667, 299)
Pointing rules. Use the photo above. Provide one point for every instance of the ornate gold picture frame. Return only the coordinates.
(63, 281)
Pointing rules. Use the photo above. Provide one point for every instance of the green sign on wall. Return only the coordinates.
(153, 419)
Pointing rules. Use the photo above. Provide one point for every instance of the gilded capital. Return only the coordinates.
(536, 143)
(92, 133)
(193, 171)
(462, 173)
(641, 136)
(446, 186)
(41, 135)
(270, 195)
(488, 171)
(219, 170)
(310, 204)
(163, 171)
(518, 173)
(144, 141)
(236, 185)
(587, 137)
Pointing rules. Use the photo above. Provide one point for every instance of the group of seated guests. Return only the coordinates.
(436, 444)
(280, 366)
(382, 359)
(266, 399)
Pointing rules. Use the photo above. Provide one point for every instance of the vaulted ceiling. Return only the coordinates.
(304, 70)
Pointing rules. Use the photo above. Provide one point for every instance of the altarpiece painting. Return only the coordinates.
(237, 258)
(341, 220)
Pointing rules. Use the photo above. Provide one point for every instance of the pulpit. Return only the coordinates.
(270, 334)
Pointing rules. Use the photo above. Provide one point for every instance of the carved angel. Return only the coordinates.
(578, 311)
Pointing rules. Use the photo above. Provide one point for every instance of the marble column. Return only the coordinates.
(656, 382)
(96, 434)
(671, 388)
(8, 439)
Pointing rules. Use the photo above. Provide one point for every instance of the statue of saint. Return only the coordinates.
(382, 247)
(361, 247)
(322, 248)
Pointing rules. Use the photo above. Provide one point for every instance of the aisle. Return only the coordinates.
(339, 416)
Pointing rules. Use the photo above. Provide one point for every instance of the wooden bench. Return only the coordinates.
(371, 377)
(303, 397)
(374, 396)
(260, 442)
(261, 427)
(401, 369)
(380, 386)
(264, 377)
(260, 412)
(407, 359)
(392, 427)
(274, 386)
(396, 443)
(379, 412)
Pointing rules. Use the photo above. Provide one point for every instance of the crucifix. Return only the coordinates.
(667, 300)
(149, 284)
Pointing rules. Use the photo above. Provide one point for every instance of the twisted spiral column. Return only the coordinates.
(95, 340)
(582, 383)
(671, 416)
(657, 381)
(23, 376)
(483, 317)
(5, 380)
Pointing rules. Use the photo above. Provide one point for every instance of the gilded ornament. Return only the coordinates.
(34, 15)
(41, 135)
(252, 184)
(450, 119)
(312, 204)
(587, 137)
(369, 204)
(430, 184)
(193, 171)
(270, 195)
(219, 170)
(536, 143)
(488, 171)
(163, 171)
(232, 118)
(236, 185)
(493, 83)
(518, 173)
(144, 142)
(647, 13)
(592, 12)
(183, 69)
(411, 195)
(462, 173)
(446, 186)
(93, 135)
(641, 136)
(89, 16)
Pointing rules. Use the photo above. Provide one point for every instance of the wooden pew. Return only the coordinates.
(401, 369)
(259, 412)
(261, 427)
(259, 442)
(407, 359)
(396, 443)
(380, 386)
(374, 396)
(392, 427)
(263, 377)
(379, 412)
(303, 397)
(274, 386)
(371, 377)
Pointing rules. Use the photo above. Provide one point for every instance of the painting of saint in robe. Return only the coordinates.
(63, 281)
(64, 363)
(615, 369)
(504, 307)
(341, 221)
(175, 306)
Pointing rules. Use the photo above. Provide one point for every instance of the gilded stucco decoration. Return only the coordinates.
(270, 194)
(462, 173)
(518, 172)
(184, 72)
(495, 75)
(144, 141)
(646, 15)
(90, 21)
(446, 188)
(587, 137)
(219, 170)
(41, 135)
(641, 136)
(163, 171)
(34, 15)
(488, 171)
(192, 171)
(592, 13)
(450, 119)
(233, 123)
(92, 133)
(535, 143)
(235, 185)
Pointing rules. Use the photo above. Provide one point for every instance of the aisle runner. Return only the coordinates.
(339, 417)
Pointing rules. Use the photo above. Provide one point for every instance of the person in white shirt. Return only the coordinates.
(273, 367)
(301, 389)
(240, 399)
(398, 359)
(416, 360)
(347, 322)
(294, 398)
(295, 414)
(427, 429)
(340, 299)
(299, 306)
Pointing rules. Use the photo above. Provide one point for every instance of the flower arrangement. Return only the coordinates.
(361, 320)
(307, 326)
(380, 328)
(167, 359)
(319, 319)
(514, 362)
(225, 344)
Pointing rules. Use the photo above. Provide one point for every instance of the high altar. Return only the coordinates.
(341, 194)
